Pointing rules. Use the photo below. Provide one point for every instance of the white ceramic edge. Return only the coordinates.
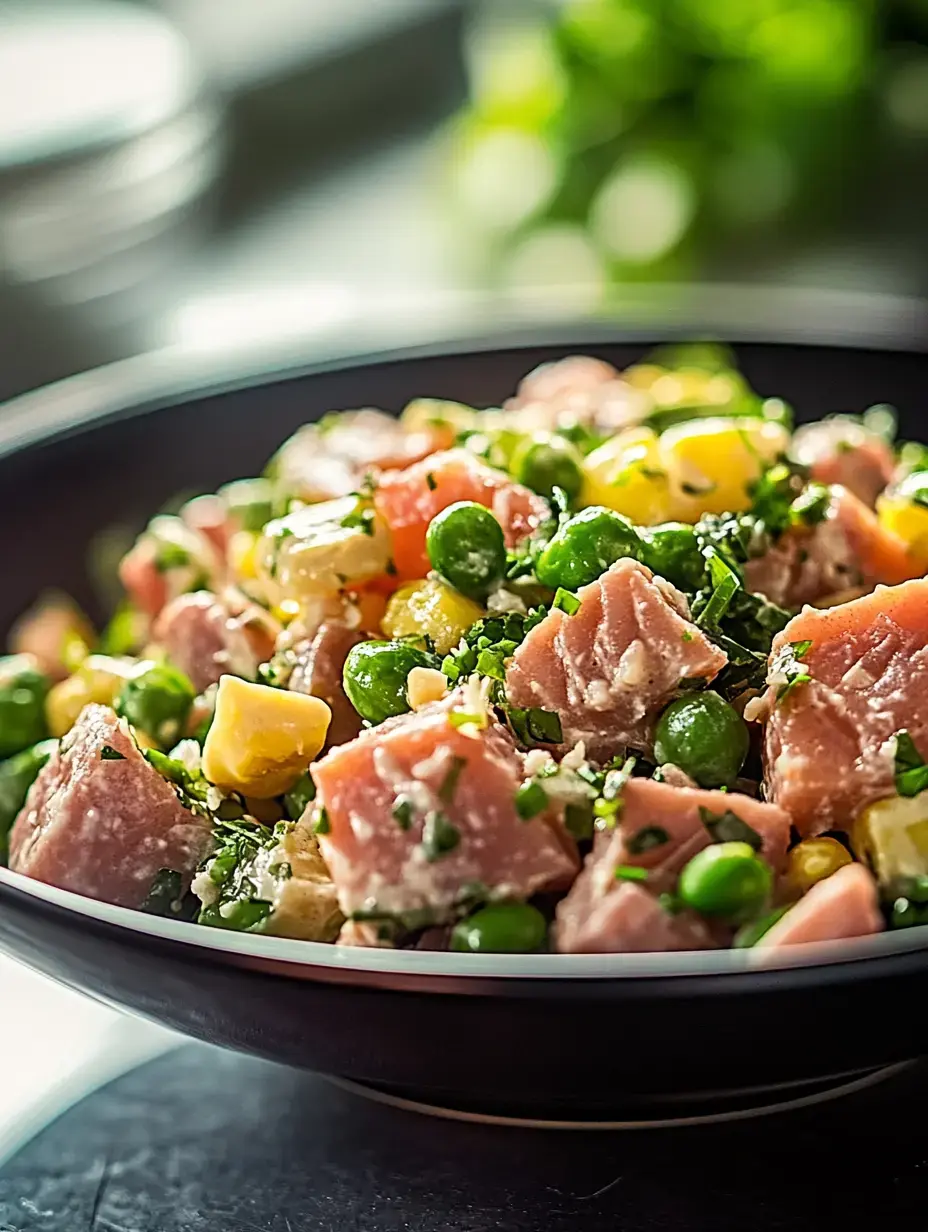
(309, 954)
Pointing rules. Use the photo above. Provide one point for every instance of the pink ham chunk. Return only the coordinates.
(829, 750)
(407, 501)
(660, 829)
(208, 636)
(848, 550)
(100, 821)
(628, 919)
(418, 810)
(844, 905)
(841, 450)
(577, 390)
(169, 559)
(609, 669)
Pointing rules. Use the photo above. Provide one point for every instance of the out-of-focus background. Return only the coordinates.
(213, 175)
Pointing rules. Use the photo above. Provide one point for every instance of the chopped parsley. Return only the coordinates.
(710, 606)
(647, 839)
(431, 481)
(530, 800)
(812, 506)
(170, 556)
(578, 819)
(910, 768)
(566, 602)
(322, 825)
(534, 726)
(728, 827)
(439, 836)
(450, 782)
(361, 519)
(630, 872)
(403, 812)
(489, 643)
(788, 665)
(166, 896)
(299, 797)
(108, 753)
(232, 870)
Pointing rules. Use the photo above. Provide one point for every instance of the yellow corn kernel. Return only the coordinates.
(892, 837)
(286, 611)
(262, 739)
(430, 609)
(98, 679)
(643, 376)
(243, 555)
(321, 549)
(712, 462)
(814, 859)
(425, 685)
(906, 519)
(628, 474)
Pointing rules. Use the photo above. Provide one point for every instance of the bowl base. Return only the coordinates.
(706, 1108)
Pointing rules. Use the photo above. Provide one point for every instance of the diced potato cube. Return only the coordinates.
(430, 609)
(892, 837)
(322, 548)
(713, 462)
(262, 739)
(98, 679)
(628, 474)
(305, 903)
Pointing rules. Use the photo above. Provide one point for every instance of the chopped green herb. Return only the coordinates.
(530, 800)
(566, 602)
(578, 819)
(749, 934)
(108, 753)
(431, 481)
(725, 585)
(361, 519)
(910, 768)
(687, 636)
(322, 824)
(458, 718)
(170, 556)
(728, 827)
(535, 726)
(299, 797)
(630, 872)
(812, 506)
(788, 664)
(647, 839)
(439, 836)
(450, 781)
(165, 897)
(403, 812)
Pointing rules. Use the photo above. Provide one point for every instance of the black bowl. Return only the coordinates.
(582, 1037)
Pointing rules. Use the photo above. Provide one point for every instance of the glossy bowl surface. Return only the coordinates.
(540, 1034)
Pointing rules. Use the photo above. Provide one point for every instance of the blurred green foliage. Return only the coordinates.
(656, 139)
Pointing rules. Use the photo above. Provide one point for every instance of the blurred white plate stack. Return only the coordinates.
(109, 142)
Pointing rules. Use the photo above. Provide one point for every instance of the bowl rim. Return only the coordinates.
(145, 383)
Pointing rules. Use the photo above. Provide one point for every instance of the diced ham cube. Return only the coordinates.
(577, 390)
(609, 669)
(418, 812)
(329, 460)
(844, 905)
(407, 501)
(319, 665)
(841, 450)
(660, 828)
(208, 636)
(100, 821)
(622, 918)
(829, 750)
(169, 559)
(848, 549)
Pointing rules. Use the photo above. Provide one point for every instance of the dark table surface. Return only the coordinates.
(203, 1140)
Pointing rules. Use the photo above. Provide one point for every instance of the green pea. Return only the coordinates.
(501, 928)
(157, 700)
(705, 736)
(17, 774)
(375, 677)
(728, 880)
(466, 546)
(672, 551)
(22, 704)
(585, 546)
(250, 502)
(544, 463)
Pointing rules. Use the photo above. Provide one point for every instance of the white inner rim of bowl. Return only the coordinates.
(445, 963)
